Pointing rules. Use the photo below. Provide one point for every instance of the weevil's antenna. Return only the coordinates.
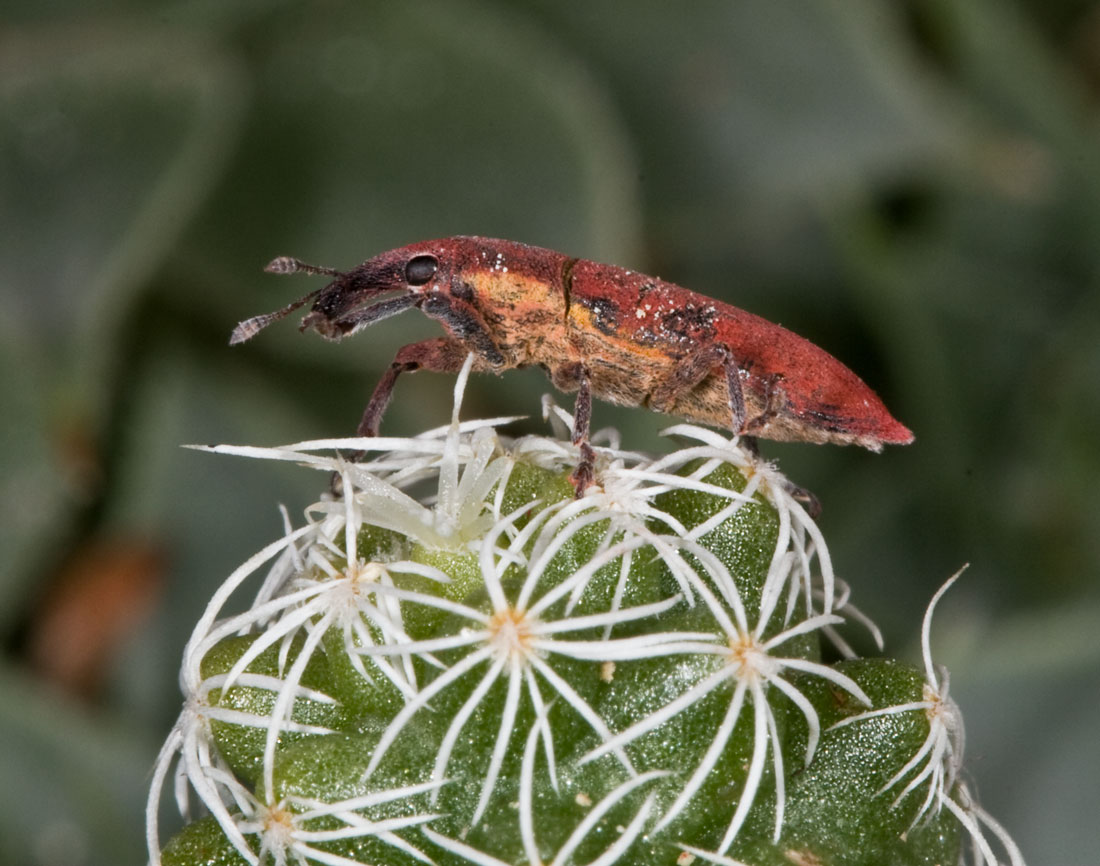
(288, 265)
(249, 328)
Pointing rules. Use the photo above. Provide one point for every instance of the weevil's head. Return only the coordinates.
(439, 277)
(354, 298)
(350, 302)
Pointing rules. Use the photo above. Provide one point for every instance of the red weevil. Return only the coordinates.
(598, 330)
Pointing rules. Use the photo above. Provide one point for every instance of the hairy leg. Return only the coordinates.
(692, 370)
(565, 377)
(440, 355)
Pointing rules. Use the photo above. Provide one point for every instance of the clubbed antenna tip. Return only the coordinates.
(289, 265)
(249, 328)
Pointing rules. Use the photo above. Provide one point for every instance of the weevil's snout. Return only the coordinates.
(348, 304)
(322, 324)
(334, 302)
(339, 305)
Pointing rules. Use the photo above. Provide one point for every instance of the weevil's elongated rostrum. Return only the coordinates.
(599, 330)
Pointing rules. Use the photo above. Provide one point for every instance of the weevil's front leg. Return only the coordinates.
(566, 377)
(440, 355)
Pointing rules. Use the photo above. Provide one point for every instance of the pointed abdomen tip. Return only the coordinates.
(898, 434)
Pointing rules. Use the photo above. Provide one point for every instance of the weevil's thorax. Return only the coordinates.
(518, 293)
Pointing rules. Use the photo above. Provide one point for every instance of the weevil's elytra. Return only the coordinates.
(600, 330)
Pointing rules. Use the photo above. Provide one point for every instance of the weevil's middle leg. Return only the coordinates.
(564, 377)
(585, 472)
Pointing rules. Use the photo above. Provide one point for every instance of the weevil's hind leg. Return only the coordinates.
(774, 398)
(738, 413)
(692, 370)
(565, 377)
(805, 498)
(750, 443)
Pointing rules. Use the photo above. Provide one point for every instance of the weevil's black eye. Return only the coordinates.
(420, 269)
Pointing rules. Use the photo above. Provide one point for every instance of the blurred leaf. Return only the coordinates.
(75, 780)
(1000, 53)
(108, 141)
(746, 112)
(990, 319)
(33, 491)
(1029, 688)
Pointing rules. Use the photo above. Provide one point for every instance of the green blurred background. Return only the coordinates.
(915, 186)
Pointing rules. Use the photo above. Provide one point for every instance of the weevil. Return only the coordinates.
(598, 330)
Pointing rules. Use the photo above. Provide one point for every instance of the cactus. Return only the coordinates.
(455, 661)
